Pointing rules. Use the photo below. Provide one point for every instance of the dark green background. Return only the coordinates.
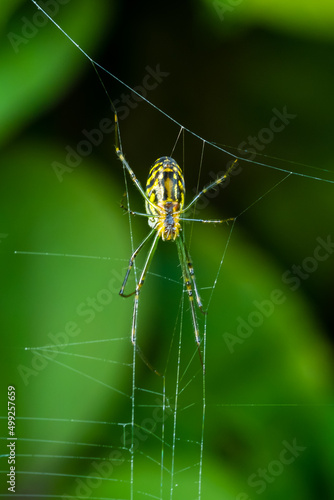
(227, 70)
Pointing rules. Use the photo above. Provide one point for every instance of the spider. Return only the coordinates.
(164, 203)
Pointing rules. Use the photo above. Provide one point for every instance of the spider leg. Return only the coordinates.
(131, 212)
(136, 303)
(208, 221)
(211, 186)
(191, 271)
(141, 282)
(120, 155)
(188, 278)
(137, 291)
(118, 142)
(187, 281)
(132, 258)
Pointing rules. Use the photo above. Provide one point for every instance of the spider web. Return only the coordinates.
(92, 420)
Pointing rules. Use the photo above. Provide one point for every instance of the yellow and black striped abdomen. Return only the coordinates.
(165, 189)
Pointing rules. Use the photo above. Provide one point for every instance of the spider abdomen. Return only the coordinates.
(165, 189)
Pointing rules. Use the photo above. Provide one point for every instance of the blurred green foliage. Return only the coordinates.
(229, 65)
